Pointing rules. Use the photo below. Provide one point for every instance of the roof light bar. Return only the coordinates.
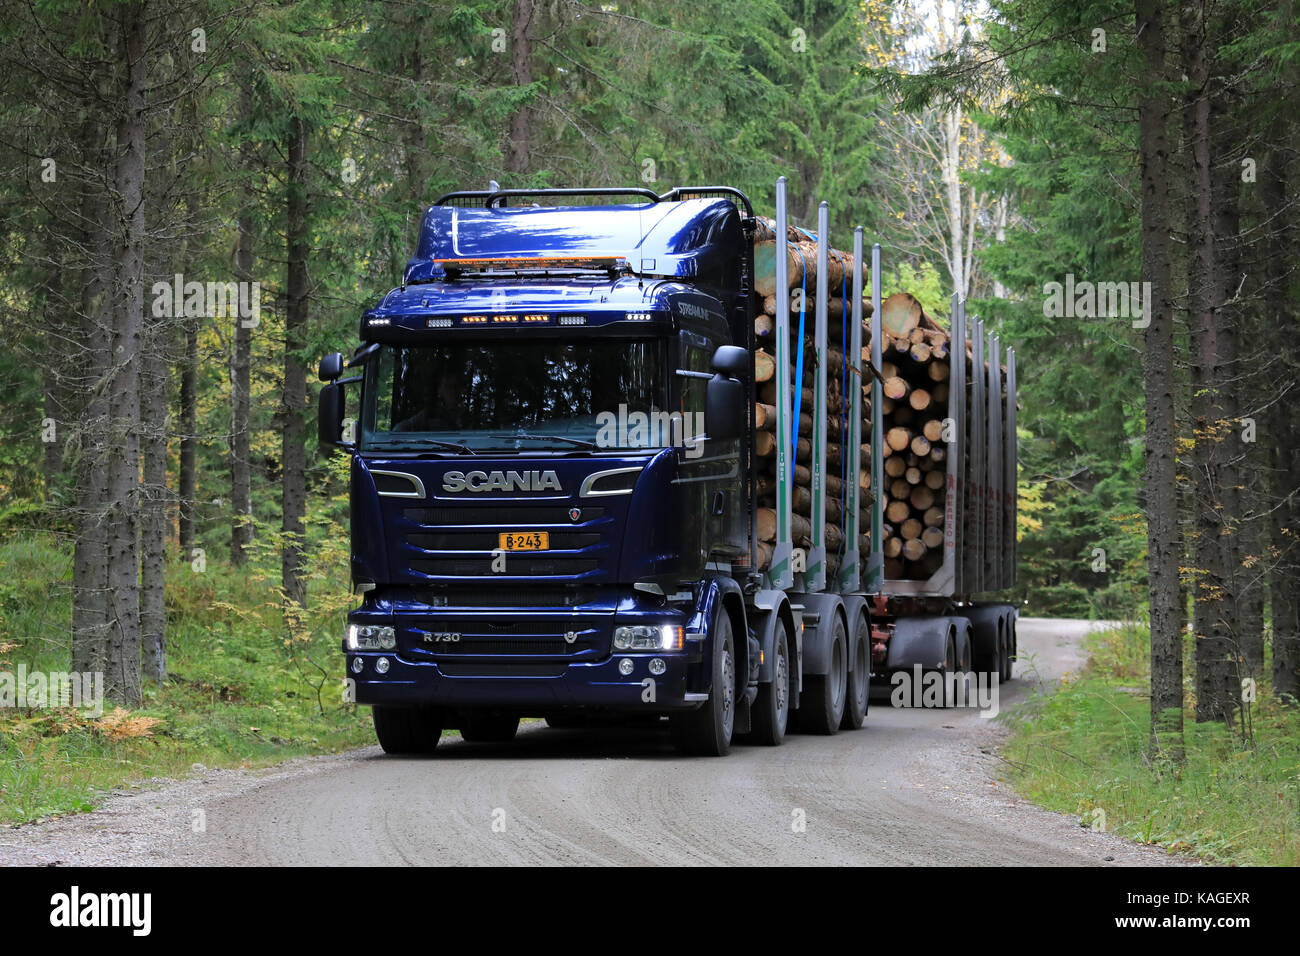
(533, 262)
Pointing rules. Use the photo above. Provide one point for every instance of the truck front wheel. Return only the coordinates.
(772, 706)
(706, 732)
(407, 730)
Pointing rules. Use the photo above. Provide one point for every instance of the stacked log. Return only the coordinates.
(914, 373)
(800, 250)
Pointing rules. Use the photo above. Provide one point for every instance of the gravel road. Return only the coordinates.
(914, 786)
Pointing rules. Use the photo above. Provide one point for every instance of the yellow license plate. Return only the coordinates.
(524, 541)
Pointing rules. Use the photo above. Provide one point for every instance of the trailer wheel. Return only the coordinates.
(772, 706)
(706, 732)
(821, 704)
(489, 728)
(949, 667)
(1011, 648)
(407, 730)
(855, 706)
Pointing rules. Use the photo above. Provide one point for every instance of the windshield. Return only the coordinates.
(518, 395)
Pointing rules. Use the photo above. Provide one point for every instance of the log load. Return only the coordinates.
(914, 374)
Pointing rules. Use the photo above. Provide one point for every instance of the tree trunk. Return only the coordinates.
(153, 505)
(188, 490)
(1237, 472)
(241, 486)
(521, 64)
(1214, 605)
(1160, 480)
(90, 548)
(1279, 429)
(122, 664)
(294, 401)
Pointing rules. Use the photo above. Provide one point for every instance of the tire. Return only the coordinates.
(489, 728)
(859, 688)
(821, 703)
(407, 730)
(707, 731)
(1011, 647)
(771, 714)
(1004, 657)
(949, 667)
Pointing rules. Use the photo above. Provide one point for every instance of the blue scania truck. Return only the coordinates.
(553, 486)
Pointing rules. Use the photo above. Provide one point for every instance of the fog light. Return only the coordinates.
(625, 666)
(657, 666)
(381, 665)
(358, 665)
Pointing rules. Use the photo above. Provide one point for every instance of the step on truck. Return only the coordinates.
(554, 477)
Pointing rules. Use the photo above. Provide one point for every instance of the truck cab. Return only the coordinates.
(550, 508)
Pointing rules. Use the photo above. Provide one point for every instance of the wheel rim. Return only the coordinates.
(728, 688)
(781, 680)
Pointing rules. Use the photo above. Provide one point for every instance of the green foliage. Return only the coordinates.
(242, 691)
(1083, 749)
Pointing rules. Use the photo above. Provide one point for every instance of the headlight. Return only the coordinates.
(648, 637)
(371, 637)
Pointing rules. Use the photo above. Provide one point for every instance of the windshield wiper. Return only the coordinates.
(572, 441)
(421, 446)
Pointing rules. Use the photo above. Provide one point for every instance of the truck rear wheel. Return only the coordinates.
(855, 706)
(706, 732)
(407, 730)
(821, 703)
(1011, 649)
(772, 706)
(489, 728)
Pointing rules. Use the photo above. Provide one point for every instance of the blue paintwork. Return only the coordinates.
(660, 533)
(686, 239)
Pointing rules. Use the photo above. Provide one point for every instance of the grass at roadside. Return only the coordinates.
(242, 692)
(1082, 750)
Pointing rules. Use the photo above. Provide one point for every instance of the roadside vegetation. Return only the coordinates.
(241, 691)
(1084, 750)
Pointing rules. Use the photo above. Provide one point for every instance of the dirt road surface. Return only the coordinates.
(913, 787)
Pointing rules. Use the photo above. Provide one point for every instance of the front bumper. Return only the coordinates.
(542, 687)
(514, 657)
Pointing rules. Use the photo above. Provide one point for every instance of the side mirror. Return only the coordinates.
(329, 418)
(724, 407)
(331, 366)
(732, 360)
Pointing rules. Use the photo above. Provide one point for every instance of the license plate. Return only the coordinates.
(524, 541)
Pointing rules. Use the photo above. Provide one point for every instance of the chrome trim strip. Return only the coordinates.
(586, 492)
(413, 479)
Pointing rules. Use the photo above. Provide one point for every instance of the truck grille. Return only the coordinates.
(460, 541)
(497, 515)
(519, 566)
(518, 639)
(507, 596)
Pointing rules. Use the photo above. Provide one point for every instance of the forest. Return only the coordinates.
(202, 196)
